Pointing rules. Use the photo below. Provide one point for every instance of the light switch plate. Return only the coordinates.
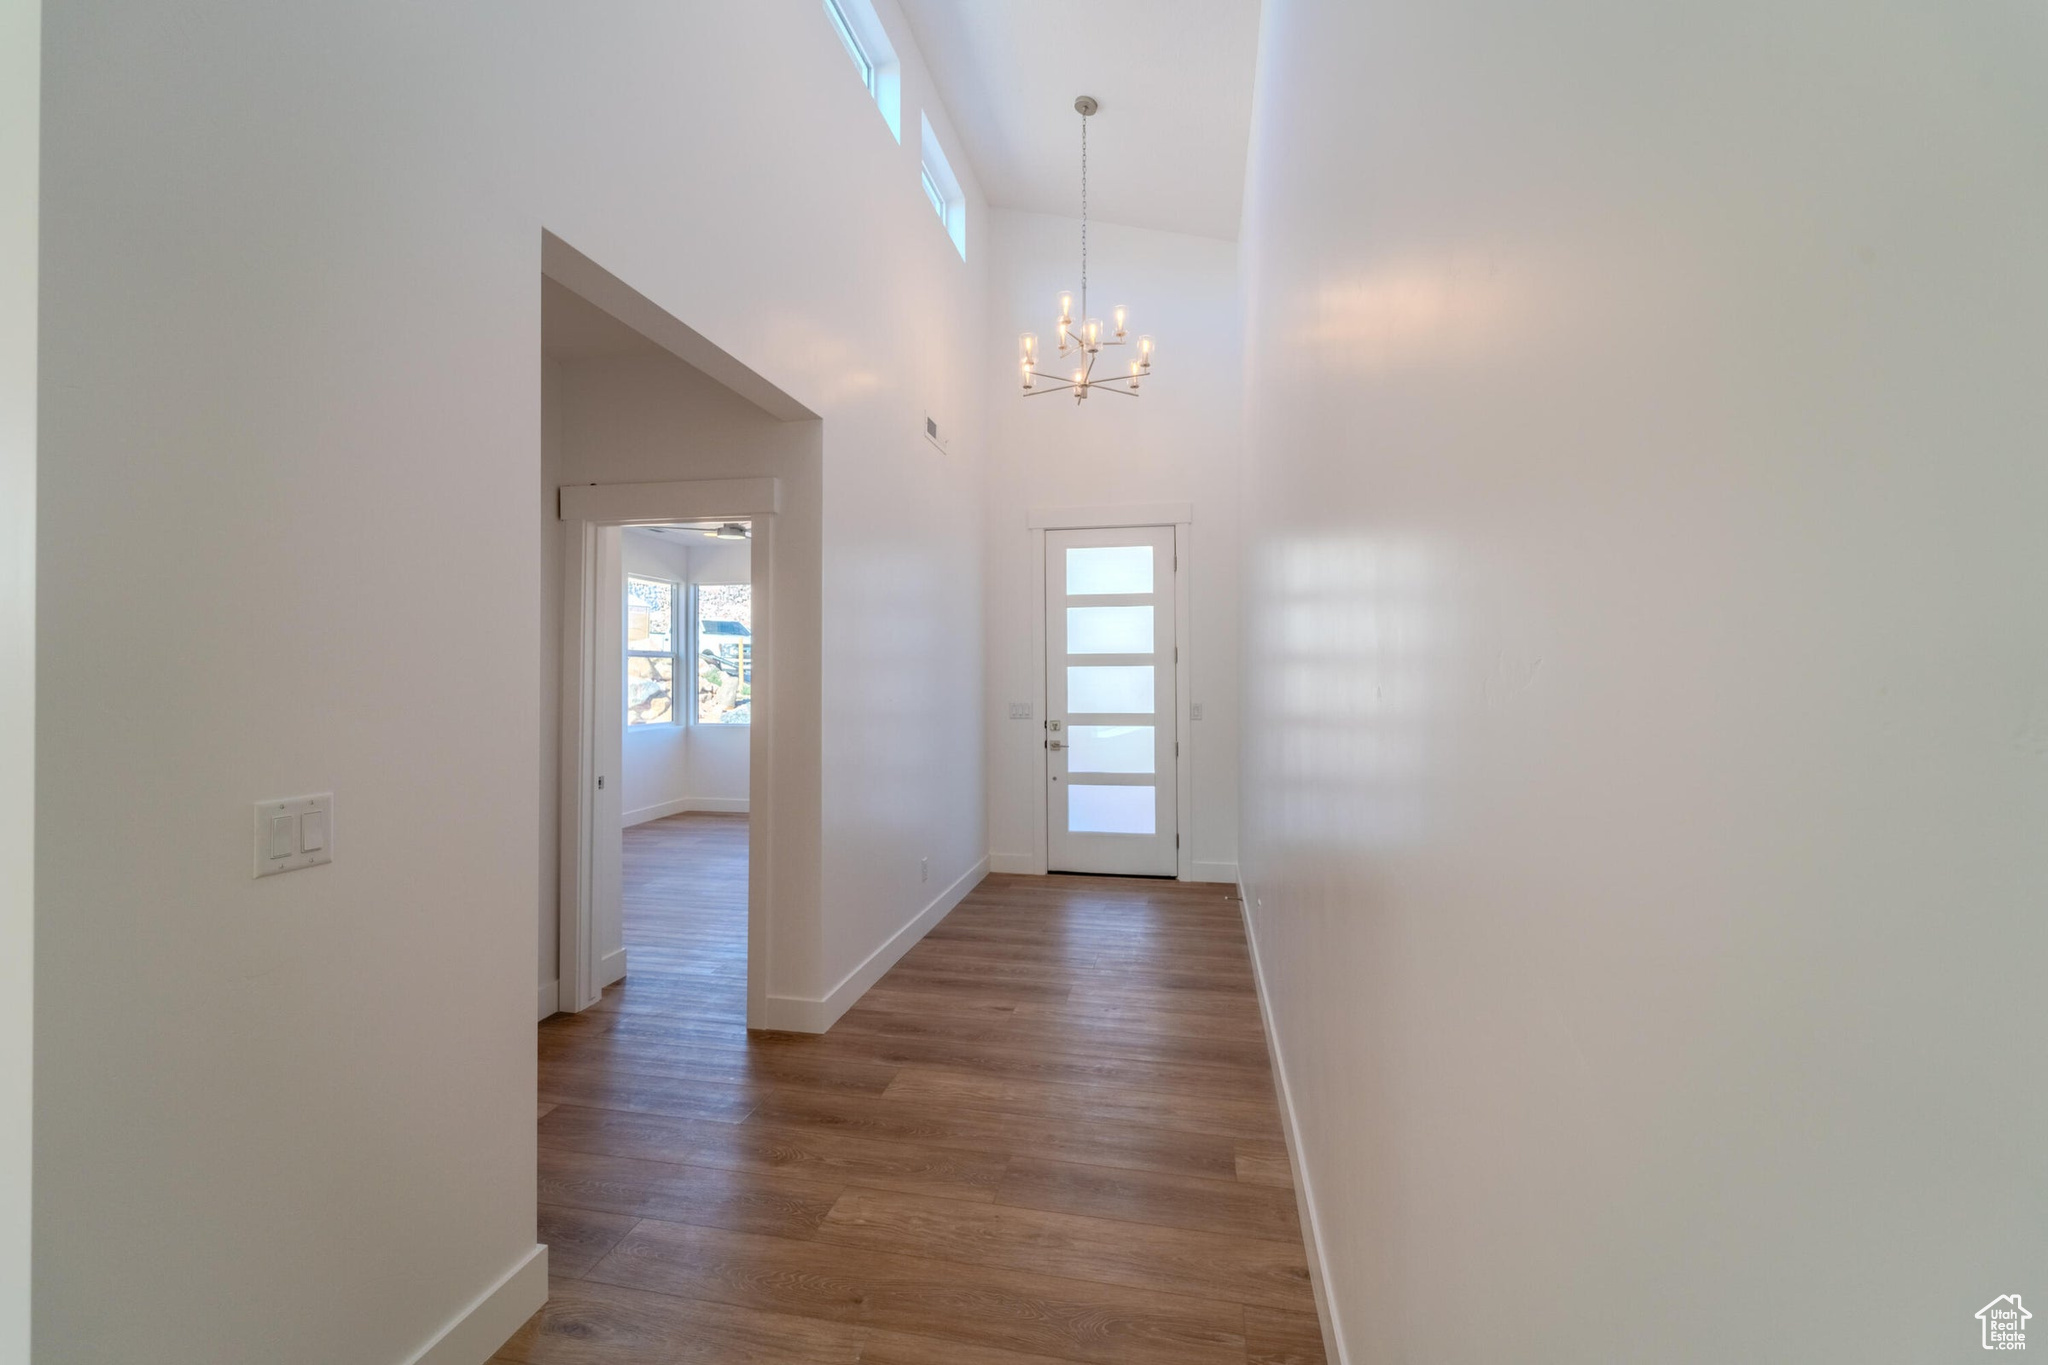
(1020, 710)
(281, 833)
(1194, 710)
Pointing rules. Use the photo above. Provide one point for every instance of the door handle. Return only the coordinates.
(1054, 744)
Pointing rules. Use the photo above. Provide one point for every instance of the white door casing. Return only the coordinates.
(607, 873)
(1112, 781)
(593, 715)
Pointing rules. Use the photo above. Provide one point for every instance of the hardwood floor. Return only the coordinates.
(1047, 1135)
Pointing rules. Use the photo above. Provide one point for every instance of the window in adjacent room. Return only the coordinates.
(725, 653)
(867, 43)
(650, 651)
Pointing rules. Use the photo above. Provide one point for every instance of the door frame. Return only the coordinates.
(1180, 516)
(586, 510)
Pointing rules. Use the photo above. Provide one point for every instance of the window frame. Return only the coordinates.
(942, 186)
(854, 47)
(673, 655)
(866, 40)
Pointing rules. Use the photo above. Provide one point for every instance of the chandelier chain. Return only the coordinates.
(1084, 215)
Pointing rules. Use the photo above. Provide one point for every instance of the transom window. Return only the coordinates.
(861, 61)
(942, 187)
(867, 44)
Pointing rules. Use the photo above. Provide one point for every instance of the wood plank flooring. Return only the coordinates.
(1047, 1135)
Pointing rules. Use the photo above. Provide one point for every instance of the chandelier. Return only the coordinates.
(1085, 342)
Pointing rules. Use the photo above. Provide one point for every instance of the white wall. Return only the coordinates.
(1647, 774)
(1178, 442)
(290, 396)
(654, 775)
(20, 86)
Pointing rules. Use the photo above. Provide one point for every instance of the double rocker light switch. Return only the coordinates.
(294, 834)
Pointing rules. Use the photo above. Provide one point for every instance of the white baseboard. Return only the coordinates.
(661, 810)
(795, 1014)
(1304, 1194)
(550, 1000)
(611, 967)
(480, 1329)
(1030, 865)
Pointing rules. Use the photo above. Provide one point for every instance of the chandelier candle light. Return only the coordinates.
(1085, 341)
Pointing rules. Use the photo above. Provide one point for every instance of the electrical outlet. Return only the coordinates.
(1020, 710)
(924, 869)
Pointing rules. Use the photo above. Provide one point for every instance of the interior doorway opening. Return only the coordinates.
(673, 480)
(687, 675)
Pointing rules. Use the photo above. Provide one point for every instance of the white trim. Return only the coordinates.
(1040, 859)
(487, 1324)
(722, 805)
(1022, 864)
(611, 967)
(661, 810)
(1183, 687)
(656, 504)
(545, 1005)
(796, 1014)
(767, 689)
(579, 648)
(1304, 1196)
(1092, 518)
(1213, 872)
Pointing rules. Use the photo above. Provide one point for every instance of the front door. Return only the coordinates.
(1109, 665)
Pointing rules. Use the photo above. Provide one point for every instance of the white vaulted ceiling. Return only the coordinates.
(1174, 78)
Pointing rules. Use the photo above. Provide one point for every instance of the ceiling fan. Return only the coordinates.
(730, 530)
